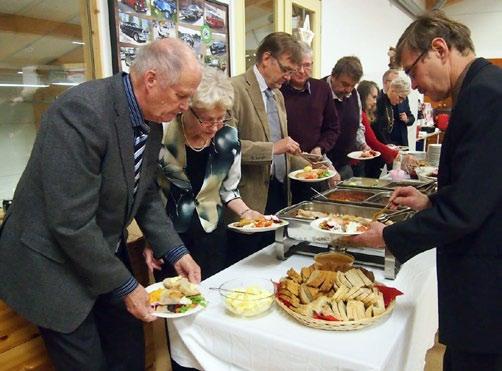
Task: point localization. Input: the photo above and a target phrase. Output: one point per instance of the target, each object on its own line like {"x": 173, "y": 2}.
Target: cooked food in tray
{"x": 346, "y": 195}
{"x": 176, "y": 295}
{"x": 344, "y": 224}
{"x": 310, "y": 214}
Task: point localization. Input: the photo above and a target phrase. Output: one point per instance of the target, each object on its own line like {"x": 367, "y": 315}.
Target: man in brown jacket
{"x": 265, "y": 163}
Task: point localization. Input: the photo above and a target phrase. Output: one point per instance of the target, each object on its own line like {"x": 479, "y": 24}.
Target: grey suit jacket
{"x": 254, "y": 133}
{"x": 73, "y": 204}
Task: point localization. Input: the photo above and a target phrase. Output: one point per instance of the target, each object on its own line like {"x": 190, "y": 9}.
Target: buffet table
{"x": 214, "y": 340}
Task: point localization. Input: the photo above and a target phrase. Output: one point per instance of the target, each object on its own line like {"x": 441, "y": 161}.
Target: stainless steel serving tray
{"x": 365, "y": 193}
{"x": 385, "y": 184}
{"x": 299, "y": 228}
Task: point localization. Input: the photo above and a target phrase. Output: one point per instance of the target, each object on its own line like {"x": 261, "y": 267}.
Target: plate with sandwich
{"x": 175, "y": 297}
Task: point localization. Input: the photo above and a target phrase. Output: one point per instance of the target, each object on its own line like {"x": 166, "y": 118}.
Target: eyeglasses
{"x": 286, "y": 70}
{"x": 307, "y": 66}
{"x": 409, "y": 71}
{"x": 210, "y": 123}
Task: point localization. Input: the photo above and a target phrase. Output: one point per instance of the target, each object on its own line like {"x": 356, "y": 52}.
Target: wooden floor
{"x": 434, "y": 357}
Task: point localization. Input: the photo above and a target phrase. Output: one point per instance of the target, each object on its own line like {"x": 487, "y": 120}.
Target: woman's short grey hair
{"x": 401, "y": 85}
{"x": 215, "y": 91}
{"x": 168, "y": 57}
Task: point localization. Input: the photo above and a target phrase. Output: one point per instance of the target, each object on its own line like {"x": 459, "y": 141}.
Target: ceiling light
{"x": 24, "y": 85}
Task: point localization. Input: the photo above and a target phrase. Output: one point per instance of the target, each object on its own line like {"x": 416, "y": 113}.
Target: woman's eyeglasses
{"x": 214, "y": 122}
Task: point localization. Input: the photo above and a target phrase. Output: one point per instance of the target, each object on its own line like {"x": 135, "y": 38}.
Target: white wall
{"x": 484, "y": 18}
{"x": 365, "y": 29}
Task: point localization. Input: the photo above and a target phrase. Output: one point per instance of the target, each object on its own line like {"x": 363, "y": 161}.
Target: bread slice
{"x": 306, "y": 272}
{"x": 292, "y": 286}
{"x": 354, "y": 278}
{"x": 342, "y": 310}
{"x": 329, "y": 280}
{"x": 366, "y": 280}
{"x": 316, "y": 278}
{"x": 294, "y": 275}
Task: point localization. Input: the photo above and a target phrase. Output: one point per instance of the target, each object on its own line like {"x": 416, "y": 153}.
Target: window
{"x": 46, "y": 49}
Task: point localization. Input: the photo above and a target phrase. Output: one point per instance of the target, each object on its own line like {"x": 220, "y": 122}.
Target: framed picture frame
{"x": 201, "y": 24}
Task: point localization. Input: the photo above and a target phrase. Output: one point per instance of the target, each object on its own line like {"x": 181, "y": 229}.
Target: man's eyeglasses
{"x": 409, "y": 70}
{"x": 209, "y": 123}
{"x": 286, "y": 70}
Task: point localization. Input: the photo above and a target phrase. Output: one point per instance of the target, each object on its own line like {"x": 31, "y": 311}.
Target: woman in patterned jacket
{"x": 200, "y": 163}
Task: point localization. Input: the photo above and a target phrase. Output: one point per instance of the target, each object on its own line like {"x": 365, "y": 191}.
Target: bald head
{"x": 169, "y": 58}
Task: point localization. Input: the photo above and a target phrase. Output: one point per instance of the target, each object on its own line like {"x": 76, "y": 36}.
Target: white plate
{"x": 356, "y": 155}
{"x": 249, "y": 230}
{"x": 316, "y": 225}
{"x": 159, "y": 285}
{"x": 293, "y": 174}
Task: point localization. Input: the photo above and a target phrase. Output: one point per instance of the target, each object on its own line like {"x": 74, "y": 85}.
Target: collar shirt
{"x": 262, "y": 84}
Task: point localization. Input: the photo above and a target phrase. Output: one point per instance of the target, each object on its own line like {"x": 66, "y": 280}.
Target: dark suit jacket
{"x": 465, "y": 220}
{"x": 73, "y": 204}
{"x": 399, "y": 135}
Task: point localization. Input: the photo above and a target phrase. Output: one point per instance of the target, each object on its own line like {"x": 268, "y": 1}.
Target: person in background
{"x": 343, "y": 79}
{"x": 64, "y": 263}
{"x": 200, "y": 163}
{"x": 267, "y": 149}
{"x": 401, "y": 111}
{"x": 398, "y": 90}
{"x": 368, "y": 91}
{"x": 312, "y": 120}
{"x": 463, "y": 220}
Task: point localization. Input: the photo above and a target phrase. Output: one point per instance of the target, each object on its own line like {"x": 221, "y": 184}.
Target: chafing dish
{"x": 298, "y": 237}
{"x": 346, "y": 195}
{"x": 386, "y": 184}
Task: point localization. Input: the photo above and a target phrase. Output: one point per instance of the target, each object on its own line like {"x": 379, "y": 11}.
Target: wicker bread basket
{"x": 335, "y": 325}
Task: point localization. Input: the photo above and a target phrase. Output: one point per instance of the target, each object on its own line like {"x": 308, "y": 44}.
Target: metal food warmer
{"x": 298, "y": 237}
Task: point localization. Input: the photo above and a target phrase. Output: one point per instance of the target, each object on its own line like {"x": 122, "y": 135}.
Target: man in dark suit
{"x": 463, "y": 220}
{"x": 62, "y": 246}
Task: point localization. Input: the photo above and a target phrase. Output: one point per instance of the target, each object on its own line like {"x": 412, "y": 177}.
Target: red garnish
{"x": 325, "y": 318}
{"x": 389, "y": 293}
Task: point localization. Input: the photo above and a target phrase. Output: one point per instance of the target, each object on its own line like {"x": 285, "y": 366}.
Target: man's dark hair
{"x": 419, "y": 35}
{"x": 279, "y": 43}
{"x": 350, "y": 66}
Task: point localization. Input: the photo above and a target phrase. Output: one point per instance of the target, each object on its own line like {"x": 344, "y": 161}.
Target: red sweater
{"x": 388, "y": 154}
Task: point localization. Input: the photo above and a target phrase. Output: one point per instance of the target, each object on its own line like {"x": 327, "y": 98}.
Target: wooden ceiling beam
{"x": 35, "y": 26}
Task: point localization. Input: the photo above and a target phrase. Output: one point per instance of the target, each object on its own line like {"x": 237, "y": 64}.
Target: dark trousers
{"x": 458, "y": 360}
{"x": 110, "y": 338}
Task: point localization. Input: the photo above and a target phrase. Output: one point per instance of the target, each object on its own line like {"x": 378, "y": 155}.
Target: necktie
{"x": 139, "y": 147}
{"x": 278, "y": 161}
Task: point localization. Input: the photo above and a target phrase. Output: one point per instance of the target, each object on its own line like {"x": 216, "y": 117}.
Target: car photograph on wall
{"x": 137, "y": 33}
{"x": 214, "y": 21}
{"x": 191, "y": 13}
{"x": 166, "y": 7}
{"x": 138, "y": 5}
{"x": 217, "y": 48}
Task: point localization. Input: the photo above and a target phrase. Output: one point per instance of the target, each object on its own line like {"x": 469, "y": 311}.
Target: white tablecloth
{"x": 214, "y": 340}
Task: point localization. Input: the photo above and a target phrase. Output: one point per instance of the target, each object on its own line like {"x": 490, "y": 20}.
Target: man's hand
{"x": 151, "y": 262}
{"x": 403, "y": 117}
{"x": 138, "y": 305}
{"x": 187, "y": 267}
{"x": 411, "y": 197}
{"x": 365, "y": 147}
{"x": 286, "y": 145}
{"x": 373, "y": 237}
{"x": 332, "y": 182}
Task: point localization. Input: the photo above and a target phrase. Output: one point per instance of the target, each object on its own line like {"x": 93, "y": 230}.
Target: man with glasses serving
{"x": 463, "y": 220}
{"x": 343, "y": 80}
{"x": 312, "y": 120}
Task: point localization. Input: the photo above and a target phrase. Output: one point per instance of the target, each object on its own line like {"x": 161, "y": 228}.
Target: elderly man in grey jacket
{"x": 62, "y": 247}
